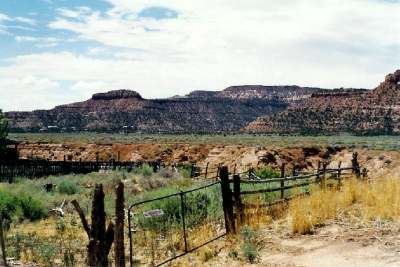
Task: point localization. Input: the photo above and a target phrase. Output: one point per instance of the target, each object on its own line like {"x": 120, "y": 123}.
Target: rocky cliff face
{"x": 200, "y": 111}
{"x": 358, "y": 112}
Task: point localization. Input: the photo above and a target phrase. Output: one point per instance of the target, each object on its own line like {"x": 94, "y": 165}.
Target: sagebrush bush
{"x": 21, "y": 206}
{"x": 68, "y": 187}
{"x": 267, "y": 172}
{"x": 145, "y": 170}
{"x": 249, "y": 246}
{"x": 32, "y": 208}
{"x": 8, "y": 205}
{"x": 186, "y": 171}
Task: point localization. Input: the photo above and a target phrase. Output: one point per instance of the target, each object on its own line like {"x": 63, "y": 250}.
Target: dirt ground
{"x": 331, "y": 246}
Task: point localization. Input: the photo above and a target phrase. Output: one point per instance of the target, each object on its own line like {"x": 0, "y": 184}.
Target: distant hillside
{"x": 359, "y": 112}
{"x": 286, "y": 93}
{"x": 200, "y": 111}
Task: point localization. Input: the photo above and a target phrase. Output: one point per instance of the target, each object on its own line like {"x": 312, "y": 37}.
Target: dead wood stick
{"x": 82, "y": 216}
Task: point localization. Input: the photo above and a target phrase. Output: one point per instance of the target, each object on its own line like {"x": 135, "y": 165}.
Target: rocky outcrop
{"x": 358, "y": 112}
{"x": 117, "y": 94}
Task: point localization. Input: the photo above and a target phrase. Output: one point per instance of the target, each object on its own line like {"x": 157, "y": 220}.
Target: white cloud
{"x": 27, "y": 93}
{"x": 29, "y": 21}
{"x": 41, "y": 42}
{"x": 214, "y": 44}
{"x": 4, "y": 17}
{"x": 74, "y": 13}
{"x": 25, "y": 39}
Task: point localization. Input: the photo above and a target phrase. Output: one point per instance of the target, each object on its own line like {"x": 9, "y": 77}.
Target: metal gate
{"x": 163, "y": 229}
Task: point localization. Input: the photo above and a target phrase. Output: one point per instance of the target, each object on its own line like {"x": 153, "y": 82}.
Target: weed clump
{"x": 249, "y": 246}
{"x": 145, "y": 170}
{"x": 68, "y": 187}
{"x": 20, "y": 207}
{"x": 267, "y": 172}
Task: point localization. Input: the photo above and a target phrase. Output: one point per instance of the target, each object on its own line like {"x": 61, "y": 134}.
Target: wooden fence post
{"x": 119, "y": 247}
{"x": 355, "y": 165}
{"x": 294, "y": 170}
{"x": 238, "y": 200}
{"x": 206, "y": 172}
{"x": 218, "y": 171}
{"x": 323, "y": 180}
{"x": 100, "y": 237}
{"x": 283, "y": 182}
{"x": 227, "y": 200}
{"x": 317, "y": 177}
{"x": 192, "y": 171}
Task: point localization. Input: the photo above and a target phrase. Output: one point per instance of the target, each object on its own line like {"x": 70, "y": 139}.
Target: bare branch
{"x": 82, "y": 216}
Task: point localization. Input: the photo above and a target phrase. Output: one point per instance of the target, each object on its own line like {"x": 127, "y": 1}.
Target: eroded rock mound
{"x": 359, "y": 112}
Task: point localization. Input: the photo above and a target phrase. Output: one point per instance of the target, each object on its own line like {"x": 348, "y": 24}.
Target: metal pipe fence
{"x": 166, "y": 228}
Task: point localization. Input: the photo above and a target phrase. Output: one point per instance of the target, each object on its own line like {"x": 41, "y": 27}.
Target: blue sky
{"x": 59, "y": 51}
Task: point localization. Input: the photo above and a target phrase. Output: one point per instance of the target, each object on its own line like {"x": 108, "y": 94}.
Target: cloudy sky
{"x": 59, "y": 51}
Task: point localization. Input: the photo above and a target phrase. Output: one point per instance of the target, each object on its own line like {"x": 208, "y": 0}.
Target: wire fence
{"x": 163, "y": 229}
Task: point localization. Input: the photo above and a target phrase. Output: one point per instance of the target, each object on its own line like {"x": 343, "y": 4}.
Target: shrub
{"x": 8, "y": 205}
{"x": 267, "y": 172}
{"x": 250, "y": 252}
{"x": 198, "y": 207}
{"x": 186, "y": 171}
{"x": 68, "y": 187}
{"x": 47, "y": 253}
{"x": 145, "y": 170}
{"x": 31, "y": 208}
{"x": 22, "y": 206}
{"x": 249, "y": 247}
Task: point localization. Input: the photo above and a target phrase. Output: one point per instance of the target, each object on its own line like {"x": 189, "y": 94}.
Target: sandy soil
{"x": 332, "y": 246}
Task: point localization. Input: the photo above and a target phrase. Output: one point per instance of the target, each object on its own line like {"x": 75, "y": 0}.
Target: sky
{"x": 54, "y": 52}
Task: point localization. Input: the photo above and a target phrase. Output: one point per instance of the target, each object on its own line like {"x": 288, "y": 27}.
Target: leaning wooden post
{"x": 227, "y": 200}
{"x": 119, "y": 248}
{"x": 356, "y": 165}
{"x": 283, "y": 182}
{"x": 238, "y": 200}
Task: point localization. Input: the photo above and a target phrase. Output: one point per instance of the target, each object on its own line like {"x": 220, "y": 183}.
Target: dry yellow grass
{"x": 376, "y": 200}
